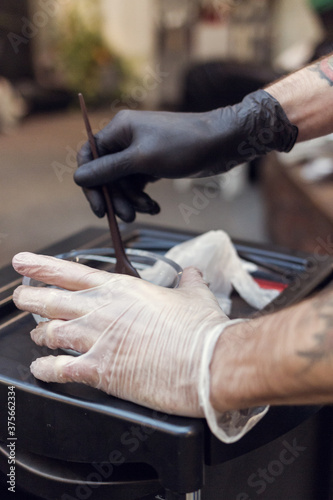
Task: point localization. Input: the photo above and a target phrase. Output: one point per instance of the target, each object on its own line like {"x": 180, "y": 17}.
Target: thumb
{"x": 192, "y": 277}
{"x": 63, "y": 369}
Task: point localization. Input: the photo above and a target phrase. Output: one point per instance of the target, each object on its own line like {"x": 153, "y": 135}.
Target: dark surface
{"x": 62, "y": 429}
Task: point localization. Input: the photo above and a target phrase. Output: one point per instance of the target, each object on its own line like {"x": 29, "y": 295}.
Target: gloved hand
{"x": 140, "y": 342}
{"x": 138, "y": 146}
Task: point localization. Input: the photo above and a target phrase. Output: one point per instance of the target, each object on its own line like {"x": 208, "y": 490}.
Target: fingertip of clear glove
{"x": 42, "y": 334}
{"x": 40, "y": 368}
{"x": 16, "y": 295}
{"x": 37, "y": 337}
{"x": 51, "y": 368}
{"x": 22, "y": 264}
{"x": 21, "y": 258}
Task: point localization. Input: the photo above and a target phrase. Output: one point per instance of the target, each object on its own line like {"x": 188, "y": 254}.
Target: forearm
{"x": 307, "y": 98}
{"x": 284, "y": 358}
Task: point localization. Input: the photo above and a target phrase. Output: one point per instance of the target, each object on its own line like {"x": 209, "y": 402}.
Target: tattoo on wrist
{"x": 323, "y": 338}
{"x": 325, "y": 69}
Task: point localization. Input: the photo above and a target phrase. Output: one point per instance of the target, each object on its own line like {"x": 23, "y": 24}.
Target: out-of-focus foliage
{"x": 85, "y": 61}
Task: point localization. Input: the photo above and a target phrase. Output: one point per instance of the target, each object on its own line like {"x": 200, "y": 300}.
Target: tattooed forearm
{"x": 324, "y": 68}
{"x": 323, "y": 338}
{"x": 323, "y": 349}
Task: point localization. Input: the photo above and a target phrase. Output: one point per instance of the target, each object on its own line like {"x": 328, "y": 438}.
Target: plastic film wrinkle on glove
{"x": 143, "y": 342}
{"x": 272, "y": 130}
{"x": 145, "y": 345}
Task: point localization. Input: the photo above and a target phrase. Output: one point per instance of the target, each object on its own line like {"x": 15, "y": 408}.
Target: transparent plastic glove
{"x": 140, "y": 342}
{"x": 137, "y": 147}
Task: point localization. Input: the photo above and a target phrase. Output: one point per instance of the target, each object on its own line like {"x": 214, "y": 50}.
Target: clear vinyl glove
{"x": 139, "y": 342}
{"x": 138, "y": 147}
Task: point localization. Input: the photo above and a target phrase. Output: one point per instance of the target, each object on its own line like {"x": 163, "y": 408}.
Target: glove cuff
{"x": 229, "y": 426}
{"x": 250, "y": 129}
{"x": 270, "y": 129}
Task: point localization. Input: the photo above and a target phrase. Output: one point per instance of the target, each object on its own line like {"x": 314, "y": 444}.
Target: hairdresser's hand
{"x": 141, "y": 342}
{"x": 138, "y": 146}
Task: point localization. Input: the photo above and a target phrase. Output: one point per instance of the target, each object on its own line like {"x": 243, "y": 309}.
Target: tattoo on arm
{"x": 323, "y": 338}
{"x": 325, "y": 69}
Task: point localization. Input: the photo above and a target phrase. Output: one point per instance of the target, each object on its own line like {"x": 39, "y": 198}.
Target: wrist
{"x": 234, "y": 372}
{"x": 306, "y": 98}
{"x": 249, "y": 369}
{"x": 228, "y": 416}
{"x": 252, "y": 128}
{"x": 278, "y": 359}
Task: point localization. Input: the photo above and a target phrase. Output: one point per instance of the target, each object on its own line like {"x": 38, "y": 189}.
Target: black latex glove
{"x": 137, "y": 147}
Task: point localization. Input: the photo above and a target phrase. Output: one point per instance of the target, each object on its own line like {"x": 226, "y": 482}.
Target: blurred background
{"x": 189, "y": 55}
